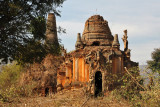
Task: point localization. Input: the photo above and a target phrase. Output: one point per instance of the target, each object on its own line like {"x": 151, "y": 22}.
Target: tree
{"x": 33, "y": 50}
{"x": 154, "y": 64}
{"x": 16, "y": 17}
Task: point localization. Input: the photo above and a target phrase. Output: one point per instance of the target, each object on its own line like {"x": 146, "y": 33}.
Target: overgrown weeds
{"x": 131, "y": 88}
{"x": 10, "y": 90}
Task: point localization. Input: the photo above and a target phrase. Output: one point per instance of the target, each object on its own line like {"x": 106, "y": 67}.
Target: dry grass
{"x": 68, "y": 98}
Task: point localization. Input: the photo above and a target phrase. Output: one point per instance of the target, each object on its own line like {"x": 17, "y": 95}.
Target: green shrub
{"x": 27, "y": 90}
{"x": 7, "y": 94}
{"x": 129, "y": 87}
{"x": 10, "y": 90}
{"x": 151, "y": 97}
{"x": 8, "y": 81}
{"x": 9, "y": 75}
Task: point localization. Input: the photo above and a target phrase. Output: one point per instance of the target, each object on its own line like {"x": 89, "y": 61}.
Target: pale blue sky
{"x": 140, "y": 17}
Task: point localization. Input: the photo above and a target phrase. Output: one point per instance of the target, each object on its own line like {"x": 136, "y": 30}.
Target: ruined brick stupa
{"x": 97, "y": 53}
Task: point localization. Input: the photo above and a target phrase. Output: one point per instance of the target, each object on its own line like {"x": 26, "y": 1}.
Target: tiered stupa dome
{"x": 97, "y": 32}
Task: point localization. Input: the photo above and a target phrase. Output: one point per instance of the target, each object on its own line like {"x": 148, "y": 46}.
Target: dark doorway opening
{"x": 46, "y": 91}
{"x": 96, "y": 43}
{"x": 98, "y": 83}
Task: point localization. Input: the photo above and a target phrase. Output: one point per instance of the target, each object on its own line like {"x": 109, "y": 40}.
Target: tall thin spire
{"x": 51, "y": 30}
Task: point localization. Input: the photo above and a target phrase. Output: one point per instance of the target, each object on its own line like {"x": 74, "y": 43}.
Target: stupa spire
{"x": 116, "y": 41}
{"x": 79, "y": 43}
{"x": 51, "y": 31}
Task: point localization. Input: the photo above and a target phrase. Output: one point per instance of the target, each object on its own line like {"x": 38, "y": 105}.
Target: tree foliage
{"x": 34, "y": 51}
{"x": 20, "y": 20}
{"x": 38, "y": 28}
{"x": 154, "y": 64}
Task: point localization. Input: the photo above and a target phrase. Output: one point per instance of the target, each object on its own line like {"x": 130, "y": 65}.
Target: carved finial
{"x": 125, "y": 41}
{"x": 125, "y": 32}
{"x": 116, "y": 41}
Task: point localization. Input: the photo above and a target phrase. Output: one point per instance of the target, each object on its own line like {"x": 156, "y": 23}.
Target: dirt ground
{"x": 67, "y": 98}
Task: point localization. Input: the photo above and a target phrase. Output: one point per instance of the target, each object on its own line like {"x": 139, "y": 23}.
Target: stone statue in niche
{"x": 110, "y": 56}
{"x": 88, "y": 58}
{"x": 98, "y": 57}
{"x": 125, "y": 41}
{"x": 128, "y": 53}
